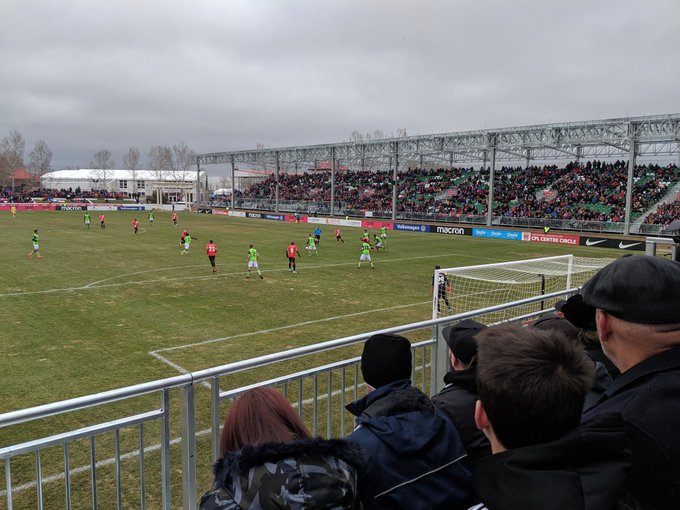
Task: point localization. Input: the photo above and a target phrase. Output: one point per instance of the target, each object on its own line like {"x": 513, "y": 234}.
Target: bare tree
{"x": 132, "y": 162}
{"x": 102, "y": 165}
{"x": 11, "y": 155}
{"x": 182, "y": 160}
{"x": 356, "y": 137}
{"x": 40, "y": 159}
{"x": 160, "y": 163}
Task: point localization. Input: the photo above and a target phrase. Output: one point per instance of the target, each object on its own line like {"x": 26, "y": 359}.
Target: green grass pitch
{"x": 104, "y": 309}
{"x": 87, "y": 316}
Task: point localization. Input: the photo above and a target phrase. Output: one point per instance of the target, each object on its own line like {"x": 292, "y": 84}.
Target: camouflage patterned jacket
{"x": 311, "y": 473}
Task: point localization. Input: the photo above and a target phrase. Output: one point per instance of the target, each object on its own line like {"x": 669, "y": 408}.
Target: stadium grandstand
{"x": 605, "y": 175}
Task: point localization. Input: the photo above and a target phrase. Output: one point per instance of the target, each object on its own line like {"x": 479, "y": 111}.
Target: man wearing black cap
{"x": 634, "y": 303}
{"x": 457, "y": 399}
{"x": 414, "y": 452}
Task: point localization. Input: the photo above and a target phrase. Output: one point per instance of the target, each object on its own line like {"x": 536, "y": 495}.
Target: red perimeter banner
{"x": 377, "y": 224}
{"x": 29, "y": 207}
{"x": 536, "y": 237}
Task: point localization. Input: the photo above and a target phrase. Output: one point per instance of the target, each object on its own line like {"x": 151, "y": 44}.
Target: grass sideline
{"x": 87, "y": 316}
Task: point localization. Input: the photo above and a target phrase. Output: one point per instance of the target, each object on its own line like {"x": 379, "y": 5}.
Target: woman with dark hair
{"x": 269, "y": 460}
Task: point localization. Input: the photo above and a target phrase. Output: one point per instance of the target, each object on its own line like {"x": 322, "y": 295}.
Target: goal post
{"x": 463, "y": 289}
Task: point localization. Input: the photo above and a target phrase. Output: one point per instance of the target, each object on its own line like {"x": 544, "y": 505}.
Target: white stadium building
{"x": 177, "y": 186}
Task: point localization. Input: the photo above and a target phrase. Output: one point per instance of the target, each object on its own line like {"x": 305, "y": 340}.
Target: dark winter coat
{"x": 457, "y": 399}
{"x": 583, "y": 470}
{"x": 300, "y": 475}
{"x": 648, "y": 397}
{"x": 414, "y": 452}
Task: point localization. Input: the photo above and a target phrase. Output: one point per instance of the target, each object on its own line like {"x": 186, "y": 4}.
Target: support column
{"x": 394, "y": 181}
{"x": 528, "y": 152}
{"x": 187, "y": 410}
{"x": 489, "y": 212}
{"x": 278, "y": 170}
{"x": 233, "y": 182}
{"x": 629, "y": 183}
{"x": 197, "y": 200}
{"x": 332, "y": 181}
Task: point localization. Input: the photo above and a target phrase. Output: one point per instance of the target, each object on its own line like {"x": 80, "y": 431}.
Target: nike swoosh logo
{"x": 624, "y": 246}
{"x": 593, "y": 243}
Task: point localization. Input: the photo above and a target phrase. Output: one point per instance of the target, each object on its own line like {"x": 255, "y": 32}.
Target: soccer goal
{"x": 463, "y": 289}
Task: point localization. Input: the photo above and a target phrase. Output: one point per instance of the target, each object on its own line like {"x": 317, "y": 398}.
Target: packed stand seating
{"x": 593, "y": 191}
{"x": 664, "y": 214}
{"x": 27, "y": 195}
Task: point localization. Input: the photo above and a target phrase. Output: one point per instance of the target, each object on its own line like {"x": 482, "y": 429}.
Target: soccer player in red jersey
{"x": 135, "y": 225}
{"x": 174, "y": 218}
{"x": 292, "y": 253}
{"x": 102, "y": 220}
{"x": 185, "y": 233}
{"x": 211, "y": 250}
{"x": 338, "y": 236}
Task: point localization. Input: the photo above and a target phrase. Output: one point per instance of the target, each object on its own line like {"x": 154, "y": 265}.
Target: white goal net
{"x": 463, "y": 289}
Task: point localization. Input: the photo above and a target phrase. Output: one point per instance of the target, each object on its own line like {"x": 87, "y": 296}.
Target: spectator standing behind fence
{"x": 269, "y": 461}
{"x": 532, "y": 385}
{"x": 414, "y": 453}
{"x": 635, "y": 304}
{"x": 458, "y": 398}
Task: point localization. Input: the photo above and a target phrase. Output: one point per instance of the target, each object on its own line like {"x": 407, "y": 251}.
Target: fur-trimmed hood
{"x": 305, "y": 474}
{"x": 251, "y": 456}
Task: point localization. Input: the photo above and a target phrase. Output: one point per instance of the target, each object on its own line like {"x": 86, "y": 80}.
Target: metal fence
{"x": 161, "y": 471}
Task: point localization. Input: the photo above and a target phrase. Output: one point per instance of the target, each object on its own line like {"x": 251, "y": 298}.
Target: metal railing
{"x": 320, "y": 394}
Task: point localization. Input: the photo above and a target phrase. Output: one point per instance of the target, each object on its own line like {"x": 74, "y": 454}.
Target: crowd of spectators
{"x": 664, "y": 214}
{"x": 28, "y": 194}
{"x": 593, "y": 191}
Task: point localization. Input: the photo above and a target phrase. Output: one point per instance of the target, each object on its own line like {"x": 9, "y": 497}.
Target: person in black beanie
{"x": 458, "y": 398}
{"x": 415, "y": 454}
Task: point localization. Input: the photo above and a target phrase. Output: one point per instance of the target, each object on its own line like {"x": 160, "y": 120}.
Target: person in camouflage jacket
{"x": 299, "y": 475}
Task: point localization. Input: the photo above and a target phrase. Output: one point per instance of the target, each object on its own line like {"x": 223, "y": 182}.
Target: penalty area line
{"x": 281, "y": 328}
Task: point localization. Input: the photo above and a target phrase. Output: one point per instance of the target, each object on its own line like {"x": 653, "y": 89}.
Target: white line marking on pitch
{"x": 306, "y": 323}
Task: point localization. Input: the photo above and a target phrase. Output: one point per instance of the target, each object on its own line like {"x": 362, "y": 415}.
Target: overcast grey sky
{"x": 84, "y": 75}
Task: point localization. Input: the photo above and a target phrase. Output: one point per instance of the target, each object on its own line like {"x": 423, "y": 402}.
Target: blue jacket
{"x": 414, "y": 452}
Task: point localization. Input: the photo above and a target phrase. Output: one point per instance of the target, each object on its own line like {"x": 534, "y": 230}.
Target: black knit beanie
{"x": 386, "y": 358}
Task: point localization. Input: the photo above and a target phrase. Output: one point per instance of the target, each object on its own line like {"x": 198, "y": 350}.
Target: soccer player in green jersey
{"x": 252, "y": 262}
{"x": 150, "y": 215}
{"x": 87, "y": 220}
{"x": 36, "y": 246}
{"x": 365, "y": 254}
{"x": 187, "y": 243}
{"x": 311, "y": 245}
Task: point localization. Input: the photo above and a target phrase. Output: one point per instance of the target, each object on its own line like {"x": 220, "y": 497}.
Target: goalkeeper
{"x": 443, "y": 289}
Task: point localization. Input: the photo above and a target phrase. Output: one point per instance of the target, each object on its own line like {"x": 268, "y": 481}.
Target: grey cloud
{"x": 226, "y": 75}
